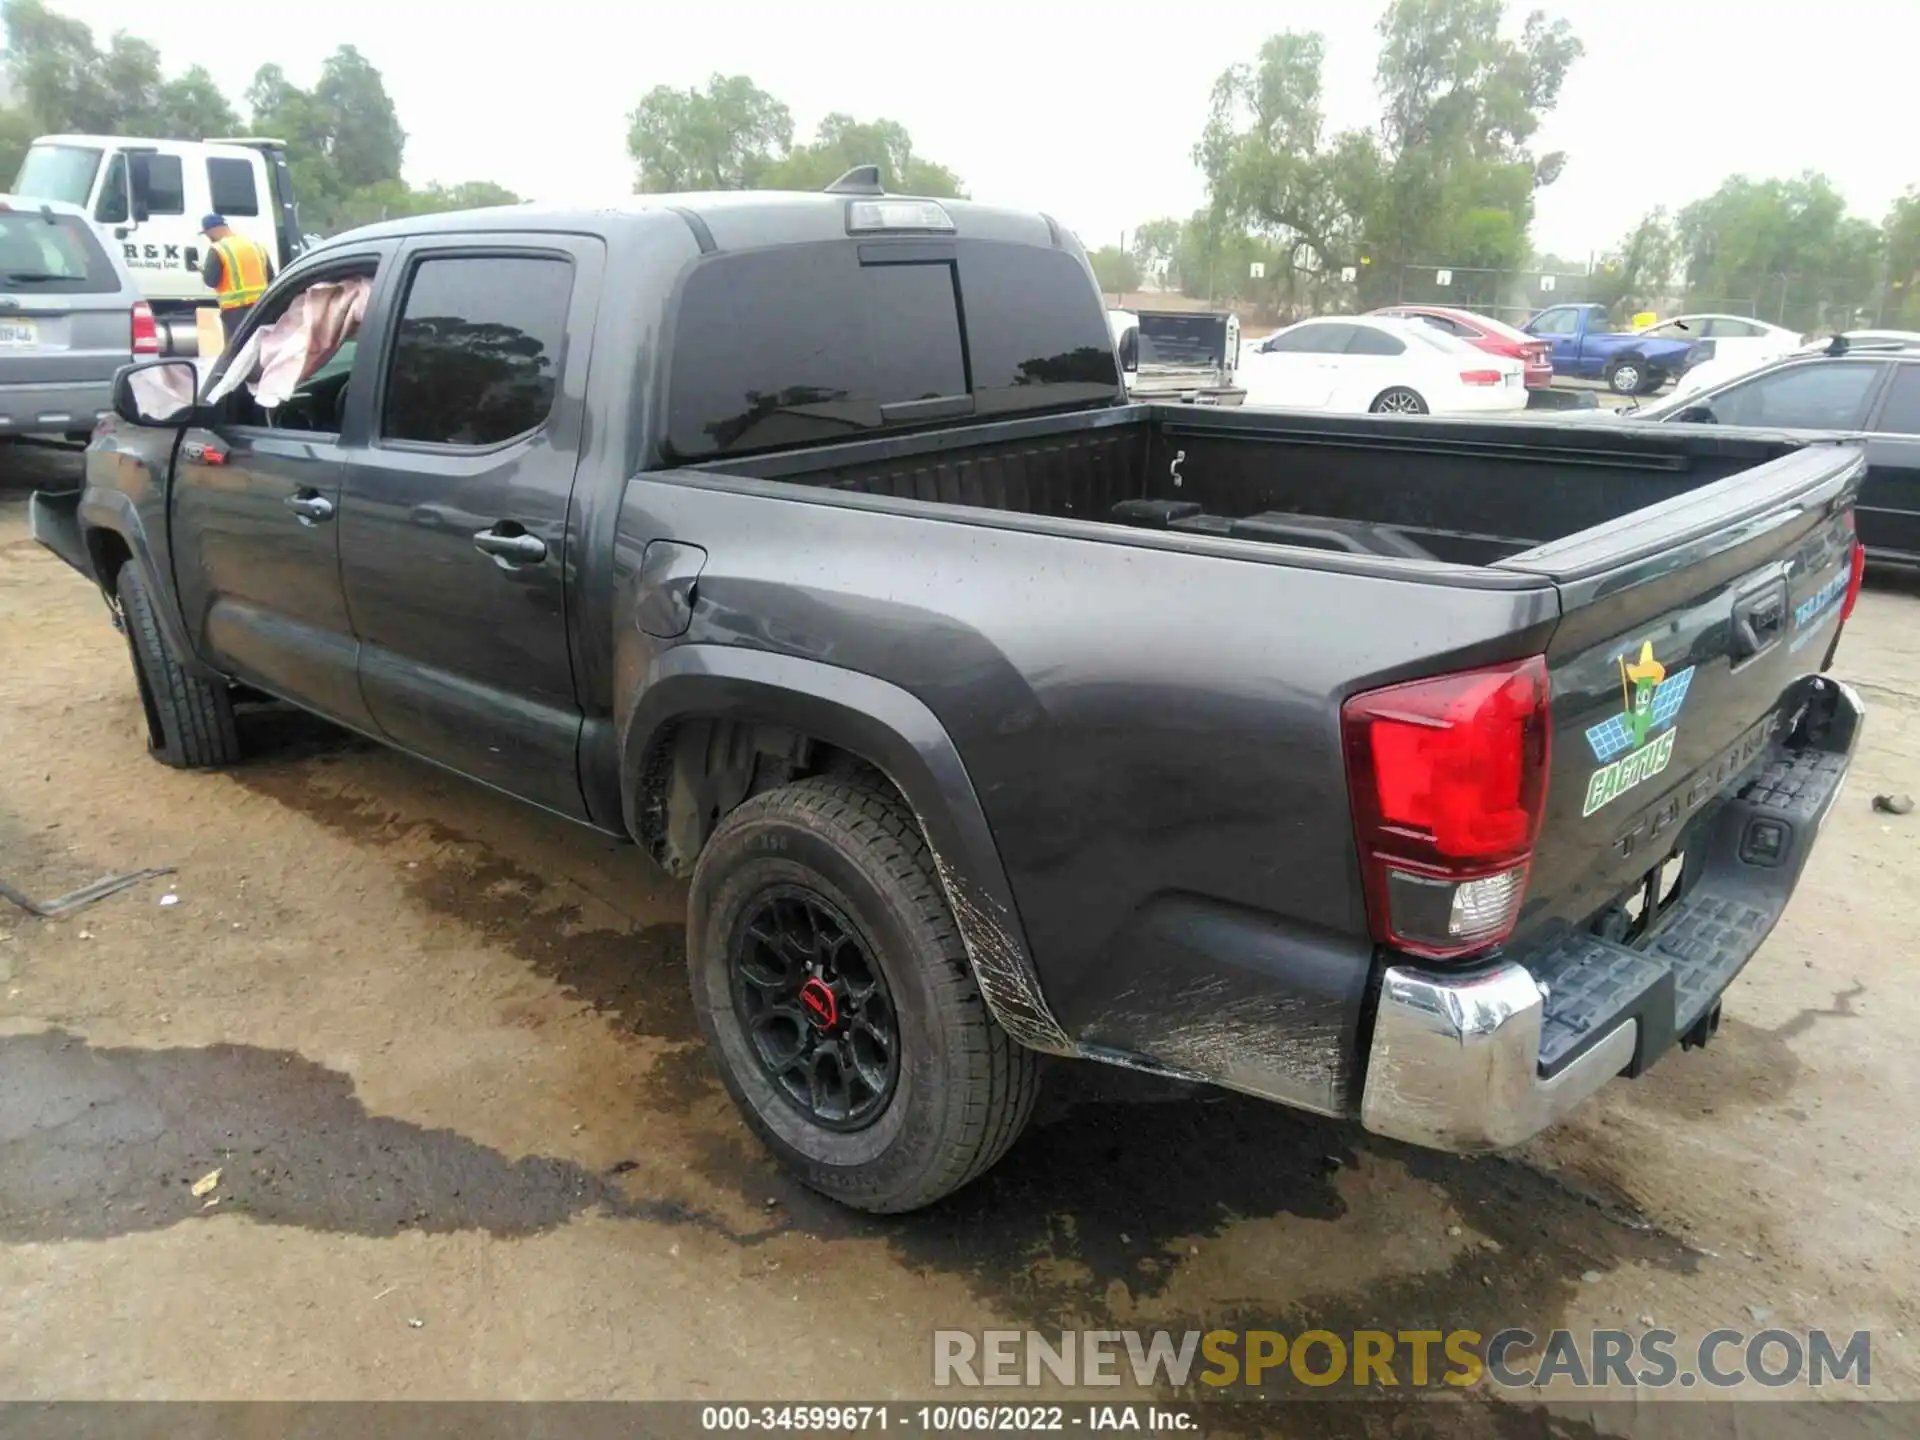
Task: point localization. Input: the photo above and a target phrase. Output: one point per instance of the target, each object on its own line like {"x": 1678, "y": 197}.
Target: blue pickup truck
{"x": 1586, "y": 345}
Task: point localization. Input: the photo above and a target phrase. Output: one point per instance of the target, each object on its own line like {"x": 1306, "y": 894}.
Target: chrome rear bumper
{"x": 1484, "y": 1060}
{"x": 1455, "y": 1062}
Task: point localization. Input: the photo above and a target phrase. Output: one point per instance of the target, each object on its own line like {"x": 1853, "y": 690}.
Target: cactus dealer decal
{"x": 1636, "y": 744}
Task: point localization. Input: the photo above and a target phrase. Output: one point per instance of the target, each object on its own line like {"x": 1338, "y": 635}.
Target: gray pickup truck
{"x": 1426, "y": 773}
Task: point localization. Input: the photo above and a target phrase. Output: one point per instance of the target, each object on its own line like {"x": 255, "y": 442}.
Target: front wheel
{"x": 189, "y": 720}
{"x": 1398, "y": 401}
{"x": 838, "y": 1002}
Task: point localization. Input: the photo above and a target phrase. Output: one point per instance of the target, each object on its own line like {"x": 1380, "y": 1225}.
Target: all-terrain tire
{"x": 189, "y": 720}
{"x": 964, "y": 1089}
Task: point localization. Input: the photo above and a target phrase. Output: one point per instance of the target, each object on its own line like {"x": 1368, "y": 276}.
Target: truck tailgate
{"x": 1681, "y": 677}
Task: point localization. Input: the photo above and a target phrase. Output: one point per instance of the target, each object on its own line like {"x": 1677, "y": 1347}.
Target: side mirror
{"x": 1696, "y": 415}
{"x": 159, "y": 394}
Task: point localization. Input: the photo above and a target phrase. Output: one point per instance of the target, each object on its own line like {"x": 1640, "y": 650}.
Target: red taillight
{"x": 146, "y": 335}
{"x": 1448, "y": 779}
{"x": 1856, "y": 574}
{"x": 1480, "y": 377}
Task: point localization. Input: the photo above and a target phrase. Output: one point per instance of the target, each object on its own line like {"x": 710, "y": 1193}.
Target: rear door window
{"x": 476, "y": 355}
{"x": 1367, "y": 341}
{"x": 231, "y": 188}
{"x": 1900, "y": 415}
{"x": 58, "y": 256}
{"x": 166, "y": 186}
{"x": 1327, "y": 339}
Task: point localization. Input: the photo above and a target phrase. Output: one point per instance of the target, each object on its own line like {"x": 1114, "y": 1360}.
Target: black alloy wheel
{"x": 815, "y": 1008}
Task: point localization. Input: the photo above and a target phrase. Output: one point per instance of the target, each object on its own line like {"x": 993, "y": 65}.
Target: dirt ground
{"x": 440, "y": 1048}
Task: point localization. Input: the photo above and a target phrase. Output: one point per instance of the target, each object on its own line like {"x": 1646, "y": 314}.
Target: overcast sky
{"x": 1088, "y": 111}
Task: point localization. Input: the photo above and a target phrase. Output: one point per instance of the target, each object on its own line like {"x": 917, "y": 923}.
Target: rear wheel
{"x": 839, "y": 1004}
{"x": 1398, "y": 401}
{"x": 189, "y": 720}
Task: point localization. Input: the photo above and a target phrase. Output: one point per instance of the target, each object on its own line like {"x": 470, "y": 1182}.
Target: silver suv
{"x": 70, "y": 317}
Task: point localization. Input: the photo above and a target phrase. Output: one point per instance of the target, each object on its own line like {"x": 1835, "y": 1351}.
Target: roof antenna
{"x": 860, "y": 180}
{"x": 1838, "y": 345}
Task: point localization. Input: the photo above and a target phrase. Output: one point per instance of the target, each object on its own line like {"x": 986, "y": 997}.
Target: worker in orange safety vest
{"x": 237, "y": 268}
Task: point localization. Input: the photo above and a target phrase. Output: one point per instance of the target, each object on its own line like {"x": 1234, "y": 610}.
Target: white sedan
{"x": 1718, "y": 370}
{"x": 1734, "y": 344}
{"x": 1364, "y": 364}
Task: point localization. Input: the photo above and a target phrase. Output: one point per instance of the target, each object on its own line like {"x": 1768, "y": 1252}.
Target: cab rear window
{"x": 803, "y": 344}
{"x": 45, "y": 253}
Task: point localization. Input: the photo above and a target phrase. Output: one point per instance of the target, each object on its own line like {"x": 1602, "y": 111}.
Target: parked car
{"x": 1586, "y": 346}
{"x": 1737, "y": 340}
{"x": 1871, "y": 386}
{"x": 70, "y": 317}
{"x": 1496, "y": 337}
{"x": 1425, "y": 772}
{"x": 1359, "y": 364}
{"x": 1184, "y": 355}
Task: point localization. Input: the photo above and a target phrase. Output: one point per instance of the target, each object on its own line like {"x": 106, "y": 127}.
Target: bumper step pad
{"x": 1750, "y": 859}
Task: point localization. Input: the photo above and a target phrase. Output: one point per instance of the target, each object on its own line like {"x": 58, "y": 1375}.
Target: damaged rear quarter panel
{"x": 1153, "y": 740}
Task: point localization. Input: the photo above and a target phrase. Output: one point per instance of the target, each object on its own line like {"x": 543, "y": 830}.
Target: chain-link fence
{"x": 1809, "y": 303}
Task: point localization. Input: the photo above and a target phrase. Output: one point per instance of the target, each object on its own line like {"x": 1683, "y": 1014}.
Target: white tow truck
{"x": 146, "y": 199}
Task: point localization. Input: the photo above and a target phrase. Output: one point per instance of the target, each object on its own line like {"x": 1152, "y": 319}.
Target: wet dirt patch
{"x": 1745, "y": 1067}
{"x": 634, "y": 973}
{"x": 97, "y": 1142}
{"x": 1094, "y": 1216}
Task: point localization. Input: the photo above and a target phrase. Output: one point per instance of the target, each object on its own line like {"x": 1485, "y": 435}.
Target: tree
{"x": 344, "y": 141}
{"x": 469, "y": 195}
{"x": 193, "y": 108}
{"x": 1785, "y": 248}
{"x": 1902, "y": 240}
{"x": 16, "y": 134}
{"x": 1446, "y": 176}
{"x": 842, "y": 142}
{"x": 394, "y": 200}
{"x": 66, "y": 83}
{"x": 1156, "y": 251}
{"x": 725, "y": 137}
{"x": 1638, "y": 273}
{"x": 735, "y": 136}
{"x": 365, "y": 140}
{"x": 56, "y": 70}
{"x": 1115, "y": 270}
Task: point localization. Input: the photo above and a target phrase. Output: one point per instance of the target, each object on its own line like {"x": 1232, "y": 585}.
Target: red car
{"x": 1493, "y": 336}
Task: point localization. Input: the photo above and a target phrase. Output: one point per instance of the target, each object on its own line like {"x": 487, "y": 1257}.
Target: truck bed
{"x": 1463, "y": 493}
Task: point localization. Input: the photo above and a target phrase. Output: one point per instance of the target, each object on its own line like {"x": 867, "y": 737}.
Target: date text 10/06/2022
{"x": 951, "y": 1419}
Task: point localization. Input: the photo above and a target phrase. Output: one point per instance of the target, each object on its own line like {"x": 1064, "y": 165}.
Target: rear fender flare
{"x": 897, "y": 734}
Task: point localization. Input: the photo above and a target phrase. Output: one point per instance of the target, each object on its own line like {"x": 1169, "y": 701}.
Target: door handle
{"x": 519, "y": 548}
{"x": 310, "y": 506}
